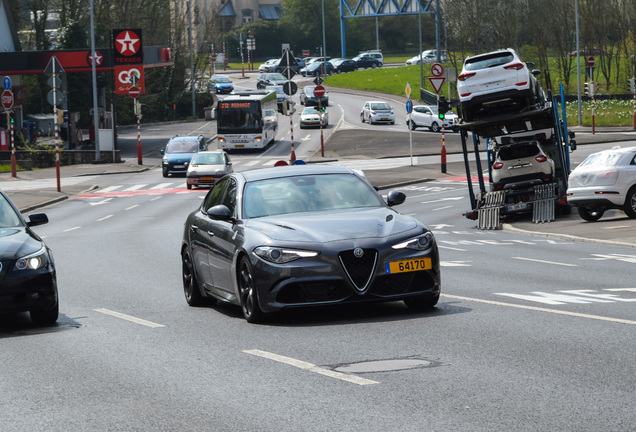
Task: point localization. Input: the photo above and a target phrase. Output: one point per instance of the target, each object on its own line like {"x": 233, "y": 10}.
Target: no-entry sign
{"x": 590, "y": 61}
{"x": 134, "y": 92}
{"x": 319, "y": 91}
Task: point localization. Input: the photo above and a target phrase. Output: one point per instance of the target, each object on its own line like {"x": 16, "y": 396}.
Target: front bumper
{"x": 32, "y": 292}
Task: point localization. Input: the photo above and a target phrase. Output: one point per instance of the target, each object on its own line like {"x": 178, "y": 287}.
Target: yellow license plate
{"x": 207, "y": 178}
{"x": 239, "y": 145}
{"x": 408, "y": 265}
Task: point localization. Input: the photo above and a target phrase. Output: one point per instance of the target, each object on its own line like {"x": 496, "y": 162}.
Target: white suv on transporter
{"x": 497, "y": 82}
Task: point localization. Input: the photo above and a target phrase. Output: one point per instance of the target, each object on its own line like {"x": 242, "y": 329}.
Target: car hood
{"x": 277, "y": 82}
{"x": 17, "y": 242}
{"x": 200, "y": 168}
{"x": 178, "y": 157}
{"x": 327, "y": 226}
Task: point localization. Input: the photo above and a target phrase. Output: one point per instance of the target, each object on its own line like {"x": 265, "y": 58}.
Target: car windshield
{"x": 380, "y": 106}
{"x": 278, "y": 89}
{"x": 8, "y": 216}
{"x": 310, "y": 110}
{"x": 182, "y": 147}
{"x": 275, "y": 77}
{"x": 308, "y": 193}
{"x": 488, "y": 61}
{"x": 603, "y": 159}
{"x": 207, "y": 159}
{"x": 518, "y": 151}
{"x": 224, "y": 80}
{"x": 309, "y": 91}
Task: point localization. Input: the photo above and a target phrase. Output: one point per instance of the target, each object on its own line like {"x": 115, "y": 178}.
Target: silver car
{"x": 377, "y": 112}
{"x": 208, "y": 167}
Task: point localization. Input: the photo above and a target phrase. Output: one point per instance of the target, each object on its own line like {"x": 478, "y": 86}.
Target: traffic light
{"x": 291, "y": 107}
{"x": 589, "y": 89}
{"x": 442, "y": 107}
{"x": 60, "y": 116}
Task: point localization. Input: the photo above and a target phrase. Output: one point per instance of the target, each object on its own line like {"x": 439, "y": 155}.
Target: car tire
{"x": 189, "y": 186}
{"x": 411, "y": 125}
{"x": 362, "y": 117}
{"x": 590, "y": 215}
{"x": 191, "y": 288}
{"x": 248, "y": 294}
{"x": 373, "y": 66}
{"x": 165, "y": 172}
{"x": 630, "y": 203}
{"x": 45, "y": 316}
{"x": 434, "y": 127}
{"x": 421, "y": 302}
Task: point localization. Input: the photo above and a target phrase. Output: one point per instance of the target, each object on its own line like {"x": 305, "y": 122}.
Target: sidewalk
{"x": 614, "y": 228}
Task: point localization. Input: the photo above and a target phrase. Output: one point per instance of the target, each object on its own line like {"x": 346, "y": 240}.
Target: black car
{"x": 365, "y": 61}
{"x": 297, "y": 236}
{"x": 317, "y": 68}
{"x": 28, "y": 281}
{"x": 344, "y": 65}
{"x": 308, "y": 98}
{"x": 270, "y": 79}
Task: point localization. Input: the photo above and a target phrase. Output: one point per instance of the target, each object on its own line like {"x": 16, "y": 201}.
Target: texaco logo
{"x": 99, "y": 58}
{"x": 127, "y": 43}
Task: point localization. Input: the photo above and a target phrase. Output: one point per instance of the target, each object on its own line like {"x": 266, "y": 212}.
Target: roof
{"x": 270, "y": 12}
{"x": 227, "y": 10}
{"x": 294, "y": 170}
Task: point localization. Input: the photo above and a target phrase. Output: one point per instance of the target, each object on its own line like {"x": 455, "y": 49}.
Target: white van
{"x": 376, "y": 55}
{"x": 427, "y": 57}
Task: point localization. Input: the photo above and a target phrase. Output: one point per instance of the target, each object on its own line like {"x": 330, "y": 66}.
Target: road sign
{"x": 409, "y": 106}
{"x": 6, "y": 82}
{"x": 54, "y": 81}
{"x": 407, "y": 90}
{"x": 590, "y": 61}
{"x": 437, "y": 83}
{"x": 319, "y": 91}
{"x": 55, "y": 97}
{"x": 318, "y": 80}
{"x": 7, "y": 99}
{"x": 134, "y": 92}
{"x": 305, "y": 53}
{"x": 287, "y": 60}
{"x": 437, "y": 69}
{"x": 289, "y": 73}
{"x": 53, "y": 67}
{"x": 290, "y": 88}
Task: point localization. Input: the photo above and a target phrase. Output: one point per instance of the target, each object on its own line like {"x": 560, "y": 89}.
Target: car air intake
{"x": 359, "y": 264}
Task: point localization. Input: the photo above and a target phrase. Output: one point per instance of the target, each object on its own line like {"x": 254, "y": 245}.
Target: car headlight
{"x": 33, "y": 261}
{"x": 282, "y": 255}
{"x": 421, "y": 242}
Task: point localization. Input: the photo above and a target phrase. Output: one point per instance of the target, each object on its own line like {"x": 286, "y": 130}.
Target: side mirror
{"x": 395, "y": 197}
{"x": 220, "y": 212}
{"x": 572, "y": 145}
{"x": 163, "y": 151}
{"x": 36, "y": 219}
{"x": 530, "y": 65}
{"x": 536, "y": 72}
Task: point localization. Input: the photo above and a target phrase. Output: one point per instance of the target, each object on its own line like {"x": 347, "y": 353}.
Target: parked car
{"x": 317, "y": 68}
{"x": 220, "y": 84}
{"x": 604, "y": 180}
{"x": 365, "y": 61}
{"x": 299, "y": 236}
{"x": 522, "y": 164}
{"x": 307, "y": 97}
{"x": 427, "y": 57}
{"x": 427, "y": 116}
{"x": 344, "y": 65}
{"x": 208, "y": 167}
{"x": 29, "y": 278}
{"x": 281, "y": 96}
{"x": 265, "y": 67}
{"x": 377, "y": 112}
{"x": 311, "y": 117}
{"x": 270, "y": 79}
{"x": 178, "y": 153}
{"x": 497, "y": 81}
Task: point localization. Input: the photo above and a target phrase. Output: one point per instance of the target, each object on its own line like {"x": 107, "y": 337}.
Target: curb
{"x": 509, "y": 228}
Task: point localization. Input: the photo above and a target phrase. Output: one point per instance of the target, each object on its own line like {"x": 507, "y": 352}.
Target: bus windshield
{"x": 240, "y": 117}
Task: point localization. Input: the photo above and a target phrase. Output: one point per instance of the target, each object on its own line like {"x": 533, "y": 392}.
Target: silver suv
{"x": 497, "y": 82}
{"x": 521, "y": 164}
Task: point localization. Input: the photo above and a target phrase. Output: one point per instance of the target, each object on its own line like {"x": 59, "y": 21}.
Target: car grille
{"x": 359, "y": 269}
{"x": 402, "y": 283}
{"x": 309, "y": 292}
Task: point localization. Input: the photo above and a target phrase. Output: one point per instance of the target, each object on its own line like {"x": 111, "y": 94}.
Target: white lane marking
{"x": 108, "y": 189}
{"x": 156, "y": 198}
{"x": 129, "y": 318}
{"x": 310, "y": 367}
{"x": 442, "y": 208}
{"x": 451, "y": 248}
{"x": 443, "y": 199}
{"x": 545, "y": 262}
{"x": 104, "y": 201}
{"x": 454, "y": 264}
{"x": 540, "y": 309}
{"x": 161, "y": 186}
{"x": 72, "y": 229}
{"x": 252, "y": 162}
{"x": 135, "y": 187}
{"x": 104, "y": 218}
{"x": 132, "y": 207}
